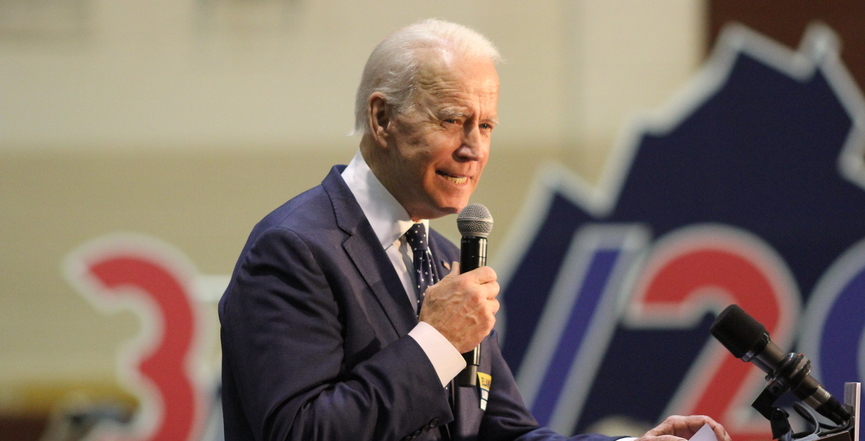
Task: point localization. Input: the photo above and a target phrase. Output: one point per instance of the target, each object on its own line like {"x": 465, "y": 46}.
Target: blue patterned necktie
{"x": 422, "y": 258}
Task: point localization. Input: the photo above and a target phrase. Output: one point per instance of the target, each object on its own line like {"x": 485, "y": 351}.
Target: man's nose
{"x": 472, "y": 146}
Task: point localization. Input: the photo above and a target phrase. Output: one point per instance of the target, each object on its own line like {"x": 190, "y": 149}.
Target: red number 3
{"x": 153, "y": 281}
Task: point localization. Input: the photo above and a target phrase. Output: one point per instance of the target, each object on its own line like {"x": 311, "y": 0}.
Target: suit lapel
{"x": 443, "y": 253}
{"x": 385, "y": 284}
{"x": 364, "y": 250}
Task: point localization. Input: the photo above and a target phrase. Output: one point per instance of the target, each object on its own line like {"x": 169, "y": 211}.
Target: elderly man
{"x": 321, "y": 335}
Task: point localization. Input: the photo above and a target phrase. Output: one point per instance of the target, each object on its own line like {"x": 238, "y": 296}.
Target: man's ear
{"x": 378, "y": 117}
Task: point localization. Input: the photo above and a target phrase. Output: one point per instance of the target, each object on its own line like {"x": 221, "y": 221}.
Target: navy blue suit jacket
{"x": 315, "y": 345}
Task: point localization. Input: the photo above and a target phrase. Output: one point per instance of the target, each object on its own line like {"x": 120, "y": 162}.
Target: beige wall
{"x": 188, "y": 124}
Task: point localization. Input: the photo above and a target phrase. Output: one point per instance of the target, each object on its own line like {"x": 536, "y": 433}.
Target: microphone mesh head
{"x": 475, "y": 220}
{"x": 738, "y": 331}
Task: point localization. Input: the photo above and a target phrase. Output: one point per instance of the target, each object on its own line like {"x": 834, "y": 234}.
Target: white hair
{"x": 393, "y": 66}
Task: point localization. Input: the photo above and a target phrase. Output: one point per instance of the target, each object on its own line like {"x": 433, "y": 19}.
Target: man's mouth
{"x": 452, "y": 178}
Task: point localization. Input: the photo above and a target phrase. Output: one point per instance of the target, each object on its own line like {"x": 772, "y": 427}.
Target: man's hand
{"x": 677, "y": 428}
{"x": 462, "y": 307}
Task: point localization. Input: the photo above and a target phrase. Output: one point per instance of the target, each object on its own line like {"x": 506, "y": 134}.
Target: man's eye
{"x": 486, "y": 126}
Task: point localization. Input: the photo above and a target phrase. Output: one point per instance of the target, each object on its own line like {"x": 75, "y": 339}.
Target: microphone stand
{"x": 778, "y": 417}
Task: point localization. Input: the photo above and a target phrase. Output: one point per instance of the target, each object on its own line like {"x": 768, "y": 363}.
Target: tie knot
{"x": 416, "y": 238}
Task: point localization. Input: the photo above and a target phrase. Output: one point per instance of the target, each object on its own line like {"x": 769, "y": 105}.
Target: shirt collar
{"x": 388, "y": 218}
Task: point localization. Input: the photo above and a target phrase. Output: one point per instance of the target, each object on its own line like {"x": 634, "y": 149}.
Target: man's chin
{"x": 452, "y": 208}
{"x": 435, "y": 208}
{"x": 438, "y": 211}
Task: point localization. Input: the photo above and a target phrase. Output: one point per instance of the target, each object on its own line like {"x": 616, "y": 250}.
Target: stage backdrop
{"x": 747, "y": 188}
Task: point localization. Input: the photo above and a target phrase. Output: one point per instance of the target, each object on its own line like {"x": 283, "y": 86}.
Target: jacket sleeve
{"x": 285, "y": 374}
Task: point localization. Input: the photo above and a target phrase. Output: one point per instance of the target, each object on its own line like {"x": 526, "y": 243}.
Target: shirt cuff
{"x": 445, "y": 358}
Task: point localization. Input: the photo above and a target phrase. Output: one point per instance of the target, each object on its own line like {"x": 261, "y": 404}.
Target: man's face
{"x": 438, "y": 148}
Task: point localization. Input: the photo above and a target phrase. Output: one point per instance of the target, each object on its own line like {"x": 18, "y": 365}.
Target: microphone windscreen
{"x": 475, "y": 220}
{"x": 738, "y": 331}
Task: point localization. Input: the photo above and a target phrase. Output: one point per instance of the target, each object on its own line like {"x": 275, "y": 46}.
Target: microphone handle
{"x": 473, "y": 255}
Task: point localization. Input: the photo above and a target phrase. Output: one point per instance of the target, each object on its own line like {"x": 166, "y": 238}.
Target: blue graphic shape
{"x": 561, "y": 363}
{"x": 842, "y": 343}
{"x": 833, "y": 329}
{"x": 576, "y": 329}
{"x": 764, "y": 139}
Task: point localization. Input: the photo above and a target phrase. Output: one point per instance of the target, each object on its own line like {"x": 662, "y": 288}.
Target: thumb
{"x": 455, "y": 270}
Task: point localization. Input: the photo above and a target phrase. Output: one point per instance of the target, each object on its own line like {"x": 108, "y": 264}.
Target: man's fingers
{"x": 719, "y": 430}
{"x": 687, "y": 426}
{"x": 665, "y": 438}
{"x": 484, "y": 275}
{"x": 480, "y": 276}
{"x": 455, "y": 270}
{"x": 495, "y": 307}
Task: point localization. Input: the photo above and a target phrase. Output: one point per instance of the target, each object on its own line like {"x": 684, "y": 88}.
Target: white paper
{"x": 704, "y": 434}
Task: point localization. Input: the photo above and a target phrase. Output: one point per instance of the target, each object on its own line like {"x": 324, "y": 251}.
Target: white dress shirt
{"x": 390, "y": 221}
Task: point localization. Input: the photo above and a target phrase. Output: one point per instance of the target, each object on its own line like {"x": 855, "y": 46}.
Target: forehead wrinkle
{"x": 439, "y": 91}
{"x": 439, "y": 79}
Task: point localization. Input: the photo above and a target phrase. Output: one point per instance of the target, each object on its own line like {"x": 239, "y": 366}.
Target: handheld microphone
{"x": 474, "y": 223}
{"x": 748, "y": 340}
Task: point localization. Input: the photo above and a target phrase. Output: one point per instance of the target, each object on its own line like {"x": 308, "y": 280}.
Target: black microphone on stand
{"x": 748, "y": 340}
{"x": 475, "y": 223}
